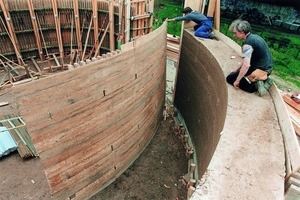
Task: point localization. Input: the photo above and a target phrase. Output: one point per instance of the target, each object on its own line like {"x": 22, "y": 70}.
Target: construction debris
{"x": 16, "y": 128}
{"x": 292, "y": 185}
{"x": 7, "y": 143}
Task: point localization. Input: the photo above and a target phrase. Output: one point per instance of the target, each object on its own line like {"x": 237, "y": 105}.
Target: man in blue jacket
{"x": 204, "y": 24}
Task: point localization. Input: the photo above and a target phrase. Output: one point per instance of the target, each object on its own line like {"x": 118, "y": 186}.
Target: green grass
{"x": 168, "y": 11}
{"x": 285, "y": 47}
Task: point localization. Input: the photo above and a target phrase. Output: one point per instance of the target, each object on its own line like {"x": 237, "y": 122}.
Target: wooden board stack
{"x": 292, "y": 186}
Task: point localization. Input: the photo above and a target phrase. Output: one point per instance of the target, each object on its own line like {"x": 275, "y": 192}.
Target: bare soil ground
{"x": 155, "y": 174}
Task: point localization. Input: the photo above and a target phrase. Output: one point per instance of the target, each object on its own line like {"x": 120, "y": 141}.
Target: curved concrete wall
{"x": 89, "y": 124}
{"x": 201, "y": 97}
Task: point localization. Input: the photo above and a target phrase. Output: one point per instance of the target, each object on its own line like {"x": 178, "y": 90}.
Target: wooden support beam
{"x": 211, "y": 8}
{"x": 202, "y": 4}
{"x": 103, "y": 36}
{"x": 56, "y": 60}
{"x": 111, "y": 27}
{"x": 217, "y": 15}
{"x": 150, "y": 7}
{"x": 36, "y": 65}
{"x": 58, "y": 31}
{"x": 87, "y": 38}
{"x": 95, "y": 19}
{"x": 127, "y": 20}
{"x": 77, "y": 25}
{"x": 290, "y": 102}
{"x": 11, "y": 31}
{"x": 35, "y": 29}
{"x": 72, "y": 52}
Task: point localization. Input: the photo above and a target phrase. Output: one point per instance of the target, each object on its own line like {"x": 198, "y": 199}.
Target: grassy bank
{"x": 285, "y": 47}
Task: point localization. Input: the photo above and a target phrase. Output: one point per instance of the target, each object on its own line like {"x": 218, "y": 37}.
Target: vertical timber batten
{"x": 35, "y": 29}
{"x": 95, "y": 18}
{"x": 42, "y": 28}
{"x": 77, "y": 25}
{"x": 111, "y": 26}
{"x": 58, "y": 31}
{"x": 11, "y": 31}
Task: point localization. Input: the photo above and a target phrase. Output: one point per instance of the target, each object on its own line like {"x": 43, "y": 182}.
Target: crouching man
{"x": 253, "y": 74}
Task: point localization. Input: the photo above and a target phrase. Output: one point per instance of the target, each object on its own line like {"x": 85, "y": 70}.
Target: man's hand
{"x": 236, "y": 84}
{"x": 169, "y": 20}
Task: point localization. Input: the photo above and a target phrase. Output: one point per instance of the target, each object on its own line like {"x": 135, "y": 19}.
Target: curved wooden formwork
{"x": 233, "y": 147}
{"x": 67, "y": 27}
{"x": 90, "y": 123}
{"x": 201, "y": 97}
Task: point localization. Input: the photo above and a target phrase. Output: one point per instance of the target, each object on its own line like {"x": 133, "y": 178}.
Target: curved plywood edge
{"x": 201, "y": 97}
{"x": 90, "y": 123}
{"x": 290, "y": 139}
{"x": 288, "y": 132}
{"x": 249, "y": 159}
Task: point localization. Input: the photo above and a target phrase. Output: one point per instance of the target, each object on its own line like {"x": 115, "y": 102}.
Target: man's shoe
{"x": 260, "y": 86}
{"x": 213, "y": 36}
{"x": 268, "y": 83}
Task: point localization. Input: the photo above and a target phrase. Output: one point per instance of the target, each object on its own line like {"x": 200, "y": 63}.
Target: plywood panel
{"x": 90, "y": 123}
{"x": 201, "y": 97}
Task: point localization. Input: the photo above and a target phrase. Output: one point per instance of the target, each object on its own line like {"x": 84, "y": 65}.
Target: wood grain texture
{"x": 90, "y": 123}
{"x": 201, "y": 97}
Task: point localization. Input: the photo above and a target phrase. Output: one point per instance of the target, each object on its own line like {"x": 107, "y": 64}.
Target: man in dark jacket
{"x": 253, "y": 74}
{"x": 204, "y": 24}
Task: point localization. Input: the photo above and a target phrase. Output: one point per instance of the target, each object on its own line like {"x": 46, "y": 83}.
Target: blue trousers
{"x": 204, "y": 29}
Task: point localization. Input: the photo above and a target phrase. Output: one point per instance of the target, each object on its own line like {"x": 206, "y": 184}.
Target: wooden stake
{"x": 58, "y": 31}
{"x": 71, "y": 46}
{"x": 19, "y": 57}
{"x": 103, "y": 36}
{"x": 87, "y": 38}
{"x": 191, "y": 190}
{"x": 77, "y": 25}
{"x": 42, "y": 35}
{"x": 11, "y": 31}
{"x": 111, "y": 28}
{"x": 192, "y": 167}
{"x": 35, "y": 29}
{"x": 36, "y": 65}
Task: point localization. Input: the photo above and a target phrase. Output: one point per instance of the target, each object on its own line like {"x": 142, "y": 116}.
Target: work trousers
{"x": 204, "y": 29}
{"x": 244, "y": 85}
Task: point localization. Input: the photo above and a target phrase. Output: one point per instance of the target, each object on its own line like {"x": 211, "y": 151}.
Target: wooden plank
{"x": 290, "y": 139}
{"x": 295, "y": 118}
{"x": 102, "y": 39}
{"x": 35, "y": 29}
{"x": 77, "y": 25}
{"x": 195, "y": 5}
{"x": 296, "y": 175}
{"x": 111, "y": 26}
{"x": 293, "y": 113}
{"x": 121, "y": 94}
{"x": 292, "y": 193}
{"x": 217, "y": 15}
{"x": 292, "y": 103}
{"x": 127, "y": 20}
{"x": 211, "y": 8}
{"x": 296, "y": 127}
{"x": 36, "y": 65}
{"x": 3, "y": 104}
{"x": 11, "y": 31}
{"x": 58, "y": 31}
{"x": 95, "y": 19}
